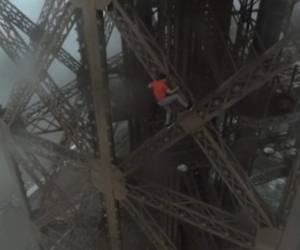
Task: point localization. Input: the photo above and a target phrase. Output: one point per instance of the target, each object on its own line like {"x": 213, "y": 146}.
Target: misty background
{"x": 9, "y": 72}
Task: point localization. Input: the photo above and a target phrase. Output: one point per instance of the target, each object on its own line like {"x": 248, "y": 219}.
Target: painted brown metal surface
{"x": 66, "y": 175}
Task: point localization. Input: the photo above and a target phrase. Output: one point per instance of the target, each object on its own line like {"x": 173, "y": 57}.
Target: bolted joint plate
{"x": 109, "y": 181}
{"x": 190, "y": 121}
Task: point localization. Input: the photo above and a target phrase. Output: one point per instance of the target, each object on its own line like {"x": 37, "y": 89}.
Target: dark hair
{"x": 161, "y": 76}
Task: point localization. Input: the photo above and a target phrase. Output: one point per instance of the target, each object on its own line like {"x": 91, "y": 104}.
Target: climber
{"x": 165, "y": 96}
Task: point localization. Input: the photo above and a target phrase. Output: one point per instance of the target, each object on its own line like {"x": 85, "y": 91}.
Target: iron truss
{"x": 84, "y": 188}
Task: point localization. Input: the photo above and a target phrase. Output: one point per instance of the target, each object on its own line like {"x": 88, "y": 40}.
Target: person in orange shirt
{"x": 165, "y": 96}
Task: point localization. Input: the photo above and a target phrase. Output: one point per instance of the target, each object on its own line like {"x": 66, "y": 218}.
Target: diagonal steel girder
{"x": 232, "y": 174}
{"x": 45, "y": 12}
{"x": 237, "y": 87}
{"x": 190, "y": 210}
{"x": 148, "y": 225}
{"x": 51, "y": 151}
{"x": 37, "y": 111}
{"x": 22, "y": 94}
{"x": 16, "y": 17}
{"x": 13, "y": 15}
{"x": 139, "y": 212}
{"x": 193, "y": 212}
{"x": 60, "y": 30}
{"x": 16, "y": 48}
{"x": 30, "y": 164}
{"x": 144, "y": 46}
{"x": 184, "y": 208}
{"x": 149, "y": 54}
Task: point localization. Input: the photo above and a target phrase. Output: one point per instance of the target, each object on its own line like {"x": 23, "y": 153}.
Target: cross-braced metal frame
{"x": 84, "y": 188}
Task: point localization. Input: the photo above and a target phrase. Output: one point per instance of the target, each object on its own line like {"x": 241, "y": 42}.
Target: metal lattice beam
{"x": 55, "y": 101}
{"x": 148, "y": 225}
{"x": 50, "y": 150}
{"x": 248, "y": 79}
{"x": 22, "y": 94}
{"x": 192, "y": 212}
{"x": 233, "y": 175}
{"x": 234, "y": 89}
{"x": 16, "y": 17}
{"x": 144, "y": 46}
{"x": 100, "y": 94}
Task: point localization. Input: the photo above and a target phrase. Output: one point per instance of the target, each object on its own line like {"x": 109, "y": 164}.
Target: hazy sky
{"x": 30, "y": 7}
{"x": 59, "y": 72}
{"x": 7, "y": 68}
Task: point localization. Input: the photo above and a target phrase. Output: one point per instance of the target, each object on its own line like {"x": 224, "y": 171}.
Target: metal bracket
{"x": 101, "y": 178}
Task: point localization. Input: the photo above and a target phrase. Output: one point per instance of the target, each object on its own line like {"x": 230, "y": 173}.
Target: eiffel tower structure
{"x": 89, "y": 164}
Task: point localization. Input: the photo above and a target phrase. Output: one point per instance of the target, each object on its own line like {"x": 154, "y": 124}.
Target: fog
{"x": 7, "y": 68}
{"x": 10, "y": 73}
{"x": 16, "y": 231}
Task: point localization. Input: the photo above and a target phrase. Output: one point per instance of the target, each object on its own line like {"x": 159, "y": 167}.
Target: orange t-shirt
{"x": 159, "y": 89}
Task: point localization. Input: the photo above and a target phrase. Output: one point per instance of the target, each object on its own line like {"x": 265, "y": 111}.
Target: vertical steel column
{"x": 271, "y": 16}
{"x": 83, "y": 80}
{"x": 96, "y": 50}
